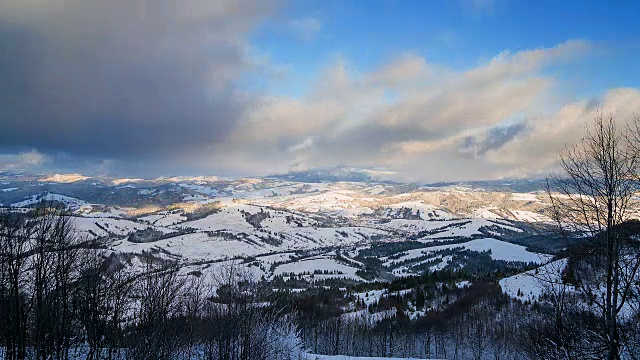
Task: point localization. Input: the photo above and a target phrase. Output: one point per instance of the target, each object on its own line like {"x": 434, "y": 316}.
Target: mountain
{"x": 309, "y": 227}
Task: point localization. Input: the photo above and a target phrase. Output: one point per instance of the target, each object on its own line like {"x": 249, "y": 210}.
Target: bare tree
{"x": 594, "y": 197}
{"x": 38, "y": 270}
{"x": 16, "y": 230}
{"x": 54, "y": 259}
{"x": 158, "y": 292}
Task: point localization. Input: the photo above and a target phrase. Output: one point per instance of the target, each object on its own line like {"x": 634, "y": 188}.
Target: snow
{"x": 376, "y": 190}
{"x": 164, "y": 219}
{"x": 464, "y": 229}
{"x": 529, "y": 216}
{"x": 424, "y": 209}
{"x": 472, "y": 227}
{"x": 119, "y": 227}
{"x": 486, "y": 213}
{"x": 370, "y": 297}
{"x": 445, "y": 261}
{"x": 229, "y": 217}
{"x": 321, "y": 217}
{"x": 369, "y": 317}
{"x": 193, "y": 247}
{"x": 197, "y": 179}
{"x": 324, "y": 201}
{"x": 96, "y": 211}
{"x": 202, "y": 189}
{"x": 524, "y": 197}
{"x": 128, "y": 186}
{"x": 293, "y": 230}
{"x": 531, "y": 284}
{"x": 319, "y": 263}
{"x": 414, "y": 225}
{"x": 71, "y": 202}
{"x": 195, "y": 198}
{"x": 63, "y": 178}
{"x": 354, "y": 212}
{"x": 271, "y": 259}
{"x": 125, "y": 180}
{"x": 500, "y": 250}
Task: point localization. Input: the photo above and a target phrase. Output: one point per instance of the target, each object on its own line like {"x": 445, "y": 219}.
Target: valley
{"x": 360, "y": 231}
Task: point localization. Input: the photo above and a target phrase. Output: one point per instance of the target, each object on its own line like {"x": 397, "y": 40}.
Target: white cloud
{"x": 32, "y": 158}
{"x": 409, "y": 118}
{"x": 307, "y": 143}
{"x": 489, "y": 121}
{"x": 549, "y": 134}
{"x": 26, "y": 160}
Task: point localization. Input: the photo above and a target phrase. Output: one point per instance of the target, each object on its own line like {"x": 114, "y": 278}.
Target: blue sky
{"x": 410, "y": 90}
{"x": 458, "y": 34}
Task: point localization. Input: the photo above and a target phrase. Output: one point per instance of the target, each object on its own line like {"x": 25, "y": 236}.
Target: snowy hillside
{"x": 330, "y": 229}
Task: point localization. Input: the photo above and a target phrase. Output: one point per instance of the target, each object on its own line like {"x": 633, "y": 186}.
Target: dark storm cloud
{"x": 119, "y": 78}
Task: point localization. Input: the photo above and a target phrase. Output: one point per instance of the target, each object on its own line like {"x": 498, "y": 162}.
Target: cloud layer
{"x": 423, "y": 121}
{"x": 121, "y": 86}
{"x": 122, "y": 78}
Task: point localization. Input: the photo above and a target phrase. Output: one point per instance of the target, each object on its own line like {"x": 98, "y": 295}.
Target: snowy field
{"x": 500, "y": 250}
{"x": 335, "y": 268}
{"x": 530, "y": 285}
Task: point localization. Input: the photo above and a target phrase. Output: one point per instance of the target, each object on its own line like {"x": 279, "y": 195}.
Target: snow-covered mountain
{"x": 280, "y": 227}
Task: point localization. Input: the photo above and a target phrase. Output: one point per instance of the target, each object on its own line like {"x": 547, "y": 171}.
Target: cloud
{"x": 491, "y": 139}
{"x": 546, "y": 135}
{"x": 32, "y": 158}
{"x": 122, "y": 88}
{"x": 23, "y": 161}
{"x": 306, "y": 28}
{"x": 307, "y": 143}
{"x": 121, "y": 79}
{"x": 490, "y": 121}
{"x": 420, "y": 120}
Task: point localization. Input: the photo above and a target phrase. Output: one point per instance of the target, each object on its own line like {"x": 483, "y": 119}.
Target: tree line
{"x": 62, "y": 297}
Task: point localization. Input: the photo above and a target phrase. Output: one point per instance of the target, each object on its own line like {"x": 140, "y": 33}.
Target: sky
{"x": 410, "y": 90}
